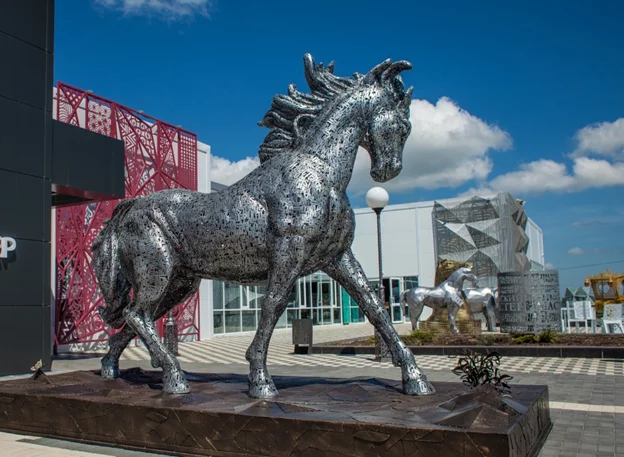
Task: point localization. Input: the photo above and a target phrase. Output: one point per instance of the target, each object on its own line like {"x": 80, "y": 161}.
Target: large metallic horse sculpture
{"x": 482, "y": 300}
{"x": 446, "y": 295}
{"x": 288, "y": 218}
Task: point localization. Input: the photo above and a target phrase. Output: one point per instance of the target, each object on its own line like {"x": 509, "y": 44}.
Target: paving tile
{"x": 588, "y": 417}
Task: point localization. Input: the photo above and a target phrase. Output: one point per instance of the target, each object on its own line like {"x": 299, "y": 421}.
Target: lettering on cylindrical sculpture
{"x": 529, "y": 302}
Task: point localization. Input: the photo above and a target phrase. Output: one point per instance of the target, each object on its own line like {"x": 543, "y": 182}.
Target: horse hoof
{"x": 176, "y": 385}
{"x": 110, "y": 372}
{"x": 261, "y": 385}
{"x": 418, "y": 387}
{"x": 263, "y": 391}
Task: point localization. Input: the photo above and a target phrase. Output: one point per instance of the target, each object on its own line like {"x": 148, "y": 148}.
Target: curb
{"x": 588, "y": 352}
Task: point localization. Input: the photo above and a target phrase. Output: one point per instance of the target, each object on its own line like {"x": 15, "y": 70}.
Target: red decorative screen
{"x": 158, "y": 156}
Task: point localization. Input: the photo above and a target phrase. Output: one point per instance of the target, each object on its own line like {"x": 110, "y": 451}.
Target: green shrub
{"x": 476, "y": 369}
{"x": 485, "y": 340}
{"x": 547, "y": 336}
{"x": 528, "y": 338}
{"x": 419, "y": 337}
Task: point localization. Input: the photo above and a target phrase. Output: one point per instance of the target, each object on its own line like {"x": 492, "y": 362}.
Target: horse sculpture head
{"x": 387, "y": 118}
{"x": 463, "y": 274}
{"x": 377, "y": 101}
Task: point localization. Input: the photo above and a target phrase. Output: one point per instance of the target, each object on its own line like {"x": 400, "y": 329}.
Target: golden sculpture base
{"x": 438, "y": 323}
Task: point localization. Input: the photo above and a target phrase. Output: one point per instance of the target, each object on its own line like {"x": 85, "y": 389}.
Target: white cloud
{"x": 549, "y": 266}
{"x": 226, "y": 172}
{"x": 546, "y": 175}
{"x": 447, "y": 147}
{"x": 605, "y": 138}
{"x": 576, "y": 251}
{"x": 170, "y": 10}
{"x": 589, "y": 223}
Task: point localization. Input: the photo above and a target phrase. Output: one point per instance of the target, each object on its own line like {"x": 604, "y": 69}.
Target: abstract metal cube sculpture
{"x": 489, "y": 233}
{"x": 288, "y": 218}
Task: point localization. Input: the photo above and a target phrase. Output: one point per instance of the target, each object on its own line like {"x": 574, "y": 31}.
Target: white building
{"x": 409, "y": 260}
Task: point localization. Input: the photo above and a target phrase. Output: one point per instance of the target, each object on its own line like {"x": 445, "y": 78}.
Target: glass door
{"x": 395, "y": 288}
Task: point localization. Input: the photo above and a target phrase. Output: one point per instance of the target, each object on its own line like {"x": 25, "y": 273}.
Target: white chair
{"x": 613, "y": 318}
{"x": 612, "y": 326}
{"x": 579, "y": 311}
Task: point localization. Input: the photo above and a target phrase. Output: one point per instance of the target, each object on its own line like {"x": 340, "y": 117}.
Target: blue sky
{"x": 525, "y": 99}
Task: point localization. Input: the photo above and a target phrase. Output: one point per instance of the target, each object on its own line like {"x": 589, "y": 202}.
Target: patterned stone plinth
{"x": 313, "y": 417}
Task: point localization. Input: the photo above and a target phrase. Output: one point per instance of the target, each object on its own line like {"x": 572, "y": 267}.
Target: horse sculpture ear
{"x": 394, "y": 69}
{"x": 375, "y": 74}
{"x": 309, "y": 67}
{"x": 386, "y": 72}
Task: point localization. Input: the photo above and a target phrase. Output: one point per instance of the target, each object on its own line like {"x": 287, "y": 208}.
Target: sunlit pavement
{"x": 586, "y": 411}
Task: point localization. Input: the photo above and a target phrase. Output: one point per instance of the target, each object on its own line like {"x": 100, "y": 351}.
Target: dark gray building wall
{"x": 26, "y": 53}
{"x": 42, "y": 163}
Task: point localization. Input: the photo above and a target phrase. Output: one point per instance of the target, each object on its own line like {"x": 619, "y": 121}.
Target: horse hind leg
{"x": 179, "y": 291}
{"x": 153, "y": 278}
{"x": 415, "y": 311}
{"x": 116, "y": 345}
{"x": 141, "y": 320}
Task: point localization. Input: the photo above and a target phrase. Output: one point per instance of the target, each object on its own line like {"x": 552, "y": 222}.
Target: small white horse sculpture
{"x": 482, "y": 300}
{"x": 448, "y": 294}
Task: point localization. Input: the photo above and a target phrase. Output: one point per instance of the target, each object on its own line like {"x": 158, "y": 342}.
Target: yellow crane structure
{"x": 608, "y": 288}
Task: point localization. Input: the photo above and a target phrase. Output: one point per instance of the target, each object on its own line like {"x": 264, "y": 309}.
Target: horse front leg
{"x": 286, "y": 264}
{"x": 348, "y": 272}
{"x": 453, "y": 308}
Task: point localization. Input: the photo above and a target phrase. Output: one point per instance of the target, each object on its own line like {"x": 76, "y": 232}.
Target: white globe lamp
{"x": 377, "y": 198}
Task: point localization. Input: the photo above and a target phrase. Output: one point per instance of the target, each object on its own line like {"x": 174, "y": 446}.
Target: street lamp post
{"x": 377, "y": 198}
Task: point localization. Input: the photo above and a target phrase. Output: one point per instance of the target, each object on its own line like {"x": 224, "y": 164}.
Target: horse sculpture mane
{"x": 291, "y": 115}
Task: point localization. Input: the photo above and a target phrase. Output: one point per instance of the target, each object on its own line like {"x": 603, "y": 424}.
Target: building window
{"x": 317, "y": 297}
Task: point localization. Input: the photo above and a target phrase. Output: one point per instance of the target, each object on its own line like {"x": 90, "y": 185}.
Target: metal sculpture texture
{"x": 288, "y": 218}
{"x": 446, "y": 295}
{"x": 482, "y": 300}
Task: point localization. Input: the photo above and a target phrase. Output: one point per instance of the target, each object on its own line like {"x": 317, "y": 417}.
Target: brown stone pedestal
{"x": 313, "y": 417}
{"x": 438, "y": 323}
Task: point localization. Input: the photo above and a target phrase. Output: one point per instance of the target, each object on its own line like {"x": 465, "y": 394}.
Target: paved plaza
{"x": 586, "y": 411}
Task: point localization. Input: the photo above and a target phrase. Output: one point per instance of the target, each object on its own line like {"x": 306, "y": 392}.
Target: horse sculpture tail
{"x": 107, "y": 266}
{"x": 403, "y": 299}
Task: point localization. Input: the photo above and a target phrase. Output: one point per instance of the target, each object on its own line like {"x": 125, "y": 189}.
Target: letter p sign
{"x": 7, "y": 245}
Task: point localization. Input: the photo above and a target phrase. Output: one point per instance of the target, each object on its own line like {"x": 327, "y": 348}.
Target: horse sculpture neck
{"x": 456, "y": 280}
{"x": 335, "y": 137}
